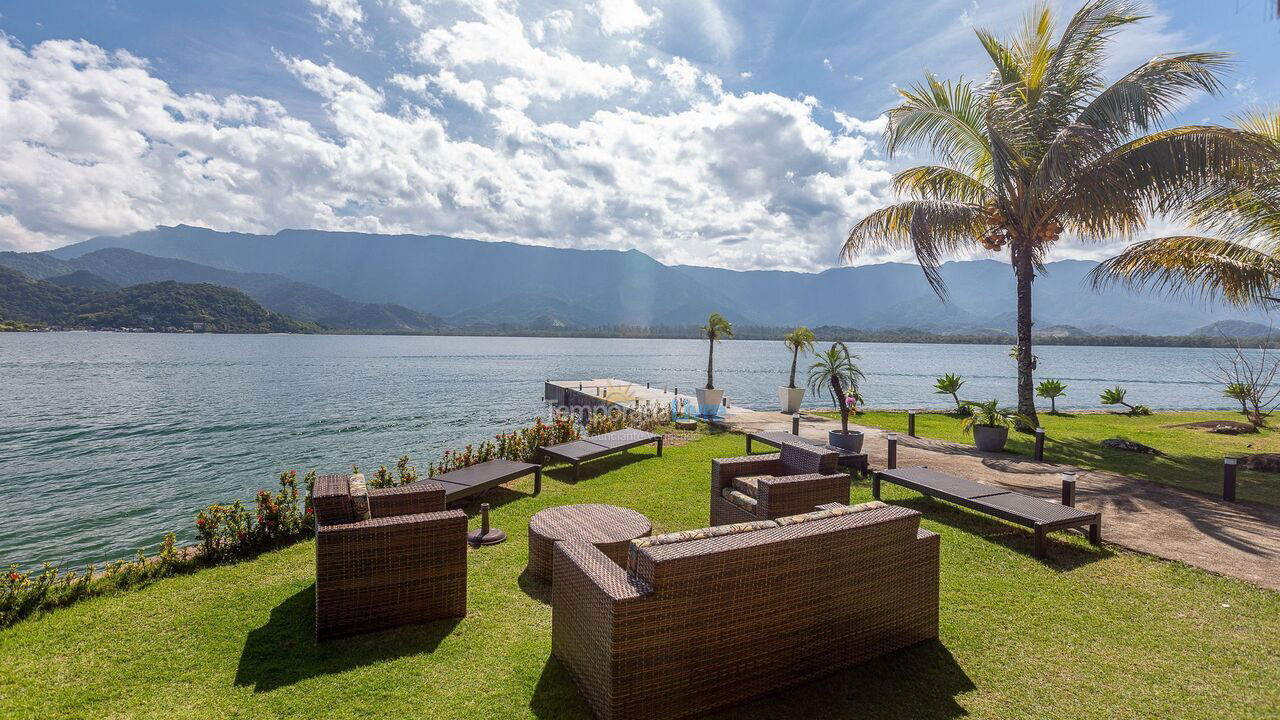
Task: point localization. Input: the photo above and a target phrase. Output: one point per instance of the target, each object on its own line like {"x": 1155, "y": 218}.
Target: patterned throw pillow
{"x": 748, "y": 485}
{"x": 833, "y": 512}
{"x": 360, "y": 497}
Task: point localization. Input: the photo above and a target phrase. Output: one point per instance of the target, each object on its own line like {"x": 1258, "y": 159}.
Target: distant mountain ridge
{"x": 474, "y": 283}
{"x": 164, "y": 305}
{"x": 302, "y": 301}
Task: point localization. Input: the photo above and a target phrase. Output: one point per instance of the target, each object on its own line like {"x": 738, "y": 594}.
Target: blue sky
{"x": 735, "y": 134}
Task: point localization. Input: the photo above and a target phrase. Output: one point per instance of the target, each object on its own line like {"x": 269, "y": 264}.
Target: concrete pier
{"x": 612, "y": 393}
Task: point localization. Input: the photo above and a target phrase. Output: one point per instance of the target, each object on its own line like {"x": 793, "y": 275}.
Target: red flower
{"x": 200, "y": 521}
{"x": 310, "y": 511}
{"x": 15, "y": 576}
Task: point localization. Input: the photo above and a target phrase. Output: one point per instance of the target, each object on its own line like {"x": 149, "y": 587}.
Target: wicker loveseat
{"x": 406, "y": 564}
{"x": 794, "y": 480}
{"x": 705, "y": 619}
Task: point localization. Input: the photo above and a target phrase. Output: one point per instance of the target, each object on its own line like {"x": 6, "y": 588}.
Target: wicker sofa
{"x": 702, "y": 620}
{"x": 793, "y": 480}
{"x": 406, "y": 564}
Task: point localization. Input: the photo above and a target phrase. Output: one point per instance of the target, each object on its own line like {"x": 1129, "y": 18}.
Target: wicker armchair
{"x": 794, "y": 480}
{"x": 689, "y": 627}
{"x": 405, "y": 565}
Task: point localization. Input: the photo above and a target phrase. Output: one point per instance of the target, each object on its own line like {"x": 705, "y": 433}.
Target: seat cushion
{"x": 833, "y": 512}
{"x": 748, "y": 485}
{"x": 698, "y": 534}
{"x": 741, "y": 499}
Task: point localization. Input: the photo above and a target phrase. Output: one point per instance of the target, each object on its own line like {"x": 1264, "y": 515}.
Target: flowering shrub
{"x": 520, "y": 445}
{"x": 403, "y": 475}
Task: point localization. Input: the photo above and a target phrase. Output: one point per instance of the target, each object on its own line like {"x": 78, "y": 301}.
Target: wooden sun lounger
{"x": 468, "y": 481}
{"x": 848, "y": 458}
{"x": 1039, "y": 515}
{"x": 579, "y": 451}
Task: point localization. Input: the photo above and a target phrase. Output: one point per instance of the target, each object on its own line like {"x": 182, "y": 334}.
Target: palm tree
{"x": 950, "y": 384}
{"x": 835, "y": 371}
{"x": 717, "y": 327}
{"x": 800, "y": 339}
{"x": 1051, "y": 389}
{"x": 1240, "y": 392}
{"x": 1242, "y": 268}
{"x": 1044, "y": 147}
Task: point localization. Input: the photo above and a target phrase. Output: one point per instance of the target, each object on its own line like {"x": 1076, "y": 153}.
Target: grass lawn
{"x": 1087, "y": 632}
{"x": 1193, "y": 456}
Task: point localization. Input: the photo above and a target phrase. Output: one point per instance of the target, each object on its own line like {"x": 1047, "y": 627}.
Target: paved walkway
{"x": 1237, "y": 539}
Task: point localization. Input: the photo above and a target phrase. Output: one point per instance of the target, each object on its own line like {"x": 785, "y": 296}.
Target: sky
{"x": 743, "y": 135}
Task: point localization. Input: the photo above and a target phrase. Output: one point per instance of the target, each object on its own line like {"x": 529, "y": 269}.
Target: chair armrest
{"x": 724, "y": 470}
{"x": 795, "y": 494}
{"x": 808, "y": 459}
{"x": 411, "y": 499}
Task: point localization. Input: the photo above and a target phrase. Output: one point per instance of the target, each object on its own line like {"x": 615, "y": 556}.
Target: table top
{"x": 590, "y": 523}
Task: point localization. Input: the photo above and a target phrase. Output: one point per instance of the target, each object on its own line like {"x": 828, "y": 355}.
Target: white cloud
{"x": 745, "y": 75}
{"x": 92, "y": 143}
{"x": 874, "y": 126}
{"x": 622, "y": 17}
{"x": 341, "y": 16}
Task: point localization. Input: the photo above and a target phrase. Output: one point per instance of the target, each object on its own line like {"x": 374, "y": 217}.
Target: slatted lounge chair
{"x": 1039, "y": 515}
{"x": 579, "y": 451}
{"x": 702, "y": 620}
{"x": 475, "y": 479}
{"x": 404, "y": 565}
{"x": 796, "y": 479}
{"x": 778, "y": 438}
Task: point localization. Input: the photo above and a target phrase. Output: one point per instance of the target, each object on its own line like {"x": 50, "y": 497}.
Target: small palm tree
{"x": 990, "y": 414}
{"x": 1240, "y": 392}
{"x": 1046, "y": 147}
{"x": 1116, "y": 396}
{"x": 950, "y": 384}
{"x": 799, "y": 340}
{"x": 1052, "y": 389}
{"x": 835, "y": 372}
{"x": 715, "y": 329}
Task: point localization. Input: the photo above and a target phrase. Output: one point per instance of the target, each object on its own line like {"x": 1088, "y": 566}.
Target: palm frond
{"x": 1237, "y": 273}
{"x": 946, "y": 117}
{"x": 937, "y": 182}
{"x": 933, "y": 229}
{"x": 1139, "y": 101}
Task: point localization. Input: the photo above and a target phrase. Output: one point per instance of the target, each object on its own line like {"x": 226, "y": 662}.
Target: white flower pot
{"x": 710, "y": 401}
{"x": 790, "y": 399}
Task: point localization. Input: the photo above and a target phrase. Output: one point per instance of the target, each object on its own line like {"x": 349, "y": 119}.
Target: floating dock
{"x": 612, "y": 393}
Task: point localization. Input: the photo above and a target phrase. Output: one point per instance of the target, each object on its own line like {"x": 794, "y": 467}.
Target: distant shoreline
{"x": 750, "y": 333}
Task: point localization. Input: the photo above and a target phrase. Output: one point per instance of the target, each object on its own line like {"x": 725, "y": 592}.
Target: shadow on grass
{"x": 918, "y": 683}
{"x": 534, "y": 587}
{"x": 496, "y": 497}
{"x": 284, "y": 651}
{"x": 1059, "y": 556}
{"x": 563, "y": 472}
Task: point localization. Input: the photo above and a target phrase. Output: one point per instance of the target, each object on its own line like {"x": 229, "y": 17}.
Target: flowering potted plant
{"x": 836, "y": 373}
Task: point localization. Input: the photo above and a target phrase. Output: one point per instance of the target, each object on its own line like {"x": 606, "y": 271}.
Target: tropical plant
{"x": 1116, "y": 396}
{"x": 1045, "y": 147}
{"x": 1250, "y": 379}
{"x": 950, "y": 384}
{"x": 799, "y": 340}
{"x": 1239, "y": 392}
{"x": 835, "y": 372}
{"x": 990, "y": 414}
{"x": 1051, "y": 389}
{"x": 715, "y": 329}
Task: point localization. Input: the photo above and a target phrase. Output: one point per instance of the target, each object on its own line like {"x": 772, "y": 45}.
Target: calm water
{"x": 109, "y": 440}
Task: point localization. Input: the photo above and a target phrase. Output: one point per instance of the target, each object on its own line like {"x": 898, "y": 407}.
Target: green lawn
{"x": 1089, "y": 632}
{"x": 1193, "y": 456}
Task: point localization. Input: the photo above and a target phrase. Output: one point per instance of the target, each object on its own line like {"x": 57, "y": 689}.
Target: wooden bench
{"x": 1039, "y": 515}
{"x": 579, "y": 451}
{"x": 848, "y": 458}
{"x": 468, "y": 481}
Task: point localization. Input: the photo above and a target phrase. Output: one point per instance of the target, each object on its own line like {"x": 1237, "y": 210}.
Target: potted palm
{"x": 798, "y": 340}
{"x": 711, "y": 398}
{"x": 989, "y": 424}
{"x": 835, "y": 372}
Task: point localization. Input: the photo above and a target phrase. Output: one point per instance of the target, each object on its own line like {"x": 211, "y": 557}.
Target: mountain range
{"x": 412, "y": 282}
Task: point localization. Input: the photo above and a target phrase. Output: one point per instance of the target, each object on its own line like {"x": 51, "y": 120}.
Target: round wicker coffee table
{"x": 608, "y": 527}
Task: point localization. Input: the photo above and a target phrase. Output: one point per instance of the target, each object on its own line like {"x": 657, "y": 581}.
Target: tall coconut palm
{"x": 1045, "y": 147}
{"x": 1243, "y": 266}
{"x": 799, "y": 340}
{"x": 715, "y": 329}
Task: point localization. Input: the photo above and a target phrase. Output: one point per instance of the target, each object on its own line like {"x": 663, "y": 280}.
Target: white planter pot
{"x": 790, "y": 399}
{"x": 710, "y": 401}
